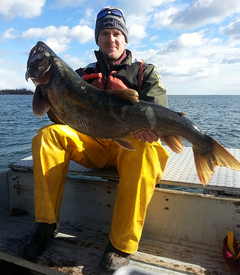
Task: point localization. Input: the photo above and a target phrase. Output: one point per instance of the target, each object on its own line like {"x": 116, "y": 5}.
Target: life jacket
{"x": 113, "y": 83}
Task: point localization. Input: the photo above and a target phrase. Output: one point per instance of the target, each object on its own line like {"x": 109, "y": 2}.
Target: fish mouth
{"x": 40, "y": 80}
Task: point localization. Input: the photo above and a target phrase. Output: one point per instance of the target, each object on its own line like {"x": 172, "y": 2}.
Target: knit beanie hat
{"x": 111, "y": 21}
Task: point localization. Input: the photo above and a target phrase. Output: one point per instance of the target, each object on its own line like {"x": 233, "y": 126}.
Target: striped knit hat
{"x": 110, "y": 18}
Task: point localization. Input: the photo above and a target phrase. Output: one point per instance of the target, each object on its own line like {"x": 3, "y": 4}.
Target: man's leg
{"x": 52, "y": 149}
{"x": 139, "y": 172}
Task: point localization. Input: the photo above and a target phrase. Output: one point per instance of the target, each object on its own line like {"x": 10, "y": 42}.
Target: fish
{"x": 116, "y": 114}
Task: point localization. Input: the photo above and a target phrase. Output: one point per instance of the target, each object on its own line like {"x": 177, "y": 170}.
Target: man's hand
{"x": 144, "y": 136}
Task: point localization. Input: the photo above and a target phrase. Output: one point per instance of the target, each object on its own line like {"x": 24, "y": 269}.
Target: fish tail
{"x": 207, "y": 161}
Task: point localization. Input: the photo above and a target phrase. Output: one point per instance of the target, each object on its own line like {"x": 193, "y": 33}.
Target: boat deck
{"x": 185, "y": 224}
{"x": 79, "y": 250}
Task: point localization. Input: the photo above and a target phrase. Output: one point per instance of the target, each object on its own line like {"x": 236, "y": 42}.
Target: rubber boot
{"x": 113, "y": 258}
{"x": 38, "y": 240}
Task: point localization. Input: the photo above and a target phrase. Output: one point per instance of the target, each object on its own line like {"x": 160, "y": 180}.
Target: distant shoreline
{"x": 16, "y": 92}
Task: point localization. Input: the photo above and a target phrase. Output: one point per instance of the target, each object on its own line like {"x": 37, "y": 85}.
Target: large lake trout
{"x": 116, "y": 114}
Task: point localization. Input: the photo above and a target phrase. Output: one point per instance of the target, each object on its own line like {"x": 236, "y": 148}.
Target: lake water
{"x": 217, "y": 116}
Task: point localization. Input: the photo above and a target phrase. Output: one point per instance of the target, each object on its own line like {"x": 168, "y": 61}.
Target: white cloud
{"x": 81, "y": 33}
{"x": 88, "y": 19}
{"x": 75, "y": 62}
{"x": 189, "y": 40}
{"x": 60, "y": 38}
{"x": 198, "y": 13}
{"x": 55, "y": 45}
{"x": 137, "y": 28}
{"x": 191, "y": 54}
{"x": 8, "y": 74}
{"x": 139, "y": 15}
{"x": 195, "y": 63}
{"x": 22, "y": 8}
{"x": 137, "y": 32}
{"x": 8, "y": 34}
{"x": 141, "y": 7}
{"x": 232, "y": 30}
{"x": 193, "y": 67}
{"x": 164, "y": 18}
{"x": 50, "y": 31}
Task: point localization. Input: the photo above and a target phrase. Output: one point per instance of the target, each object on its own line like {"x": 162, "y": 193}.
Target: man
{"x": 55, "y": 145}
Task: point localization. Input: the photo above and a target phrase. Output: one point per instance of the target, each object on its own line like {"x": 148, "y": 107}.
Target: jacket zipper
{"x": 104, "y": 82}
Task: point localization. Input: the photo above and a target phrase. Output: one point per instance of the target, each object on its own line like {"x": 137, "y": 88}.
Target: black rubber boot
{"x": 38, "y": 240}
{"x": 113, "y": 258}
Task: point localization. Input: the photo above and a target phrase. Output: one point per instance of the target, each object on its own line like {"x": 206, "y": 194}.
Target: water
{"x": 218, "y": 116}
{"x": 17, "y": 128}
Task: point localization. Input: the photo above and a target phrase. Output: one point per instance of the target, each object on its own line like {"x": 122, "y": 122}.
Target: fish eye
{"x": 40, "y": 48}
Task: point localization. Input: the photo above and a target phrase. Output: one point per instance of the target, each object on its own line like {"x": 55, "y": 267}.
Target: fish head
{"x": 39, "y": 63}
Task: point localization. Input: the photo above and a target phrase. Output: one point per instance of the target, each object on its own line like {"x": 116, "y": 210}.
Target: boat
{"x": 185, "y": 225}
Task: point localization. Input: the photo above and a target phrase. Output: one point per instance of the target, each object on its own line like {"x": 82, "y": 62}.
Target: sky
{"x": 195, "y": 44}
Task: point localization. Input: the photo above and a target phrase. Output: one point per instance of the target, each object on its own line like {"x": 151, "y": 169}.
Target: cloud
{"x": 56, "y": 46}
{"x": 75, "y": 62}
{"x": 198, "y": 13}
{"x": 195, "y": 63}
{"x": 137, "y": 32}
{"x": 232, "y": 30}
{"x": 8, "y": 74}
{"x": 88, "y": 19}
{"x": 8, "y": 34}
{"x": 141, "y": 7}
{"x": 231, "y": 60}
{"x": 60, "y": 37}
{"x": 192, "y": 54}
{"x": 50, "y": 31}
{"x": 82, "y": 34}
{"x": 188, "y": 40}
{"x": 22, "y": 8}
{"x": 165, "y": 17}
{"x": 137, "y": 28}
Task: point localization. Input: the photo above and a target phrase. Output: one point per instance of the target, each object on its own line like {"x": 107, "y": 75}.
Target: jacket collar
{"x": 120, "y": 60}
{"x": 102, "y": 61}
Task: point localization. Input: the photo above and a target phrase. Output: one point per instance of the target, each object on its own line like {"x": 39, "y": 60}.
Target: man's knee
{"x": 51, "y": 132}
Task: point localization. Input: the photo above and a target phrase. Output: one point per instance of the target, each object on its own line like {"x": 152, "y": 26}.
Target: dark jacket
{"x": 152, "y": 87}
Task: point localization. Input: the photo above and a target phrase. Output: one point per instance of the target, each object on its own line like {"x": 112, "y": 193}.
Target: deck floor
{"x": 79, "y": 250}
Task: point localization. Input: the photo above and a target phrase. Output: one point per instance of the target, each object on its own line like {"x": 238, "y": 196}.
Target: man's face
{"x": 111, "y": 42}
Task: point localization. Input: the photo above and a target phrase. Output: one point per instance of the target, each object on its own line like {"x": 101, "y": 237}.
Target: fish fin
{"x": 124, "y": 143}
{"x": 126, "y": 94}
{"x": 206, "y": 162}
{"x": 40, "y": 105}
{"x": 173, "y": 142}
{"x": 54, "y": 118}
{"x": 181, "y": 113}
